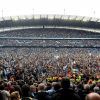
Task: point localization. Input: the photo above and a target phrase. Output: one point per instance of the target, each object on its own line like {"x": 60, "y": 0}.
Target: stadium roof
{"x": 61, "y": 21}
{"x": 70, "y": 17}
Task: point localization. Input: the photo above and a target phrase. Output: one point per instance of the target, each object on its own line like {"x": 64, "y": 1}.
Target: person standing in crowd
{"x": 5, "y": 93}
{"x": 25, "y": 93}
{"x": 42, "y": 94}
{"x": 65, "y": 93}
{"x": 15, "y": 96}
{"x": 33, "y": 91}
{"x": 93, "y": 96}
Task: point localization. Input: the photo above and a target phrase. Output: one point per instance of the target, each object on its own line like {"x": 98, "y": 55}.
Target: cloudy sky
{"x": 68, "y": 7}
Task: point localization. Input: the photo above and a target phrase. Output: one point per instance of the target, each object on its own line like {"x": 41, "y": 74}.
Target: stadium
{"x": 54, "y": 31}
{"x": 41, "y": 48}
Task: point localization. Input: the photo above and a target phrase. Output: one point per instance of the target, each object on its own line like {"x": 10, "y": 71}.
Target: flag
{"x": 65, "y": 68}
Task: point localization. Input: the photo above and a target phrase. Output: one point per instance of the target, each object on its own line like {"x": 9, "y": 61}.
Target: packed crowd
{"x": 49, "y": 33}
{"x": 56, "y": 43}
{"x": 49, "y": 74}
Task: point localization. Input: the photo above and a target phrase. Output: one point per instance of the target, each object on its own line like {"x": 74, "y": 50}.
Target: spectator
{"x": 93, "y": 96}
{"x": 42, "y": 94}
{"x": 65, "y": 93}
{"x": 15, "y": 96}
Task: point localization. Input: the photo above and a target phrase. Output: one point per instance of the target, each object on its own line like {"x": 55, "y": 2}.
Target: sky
{"x": 89, "y": 8}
